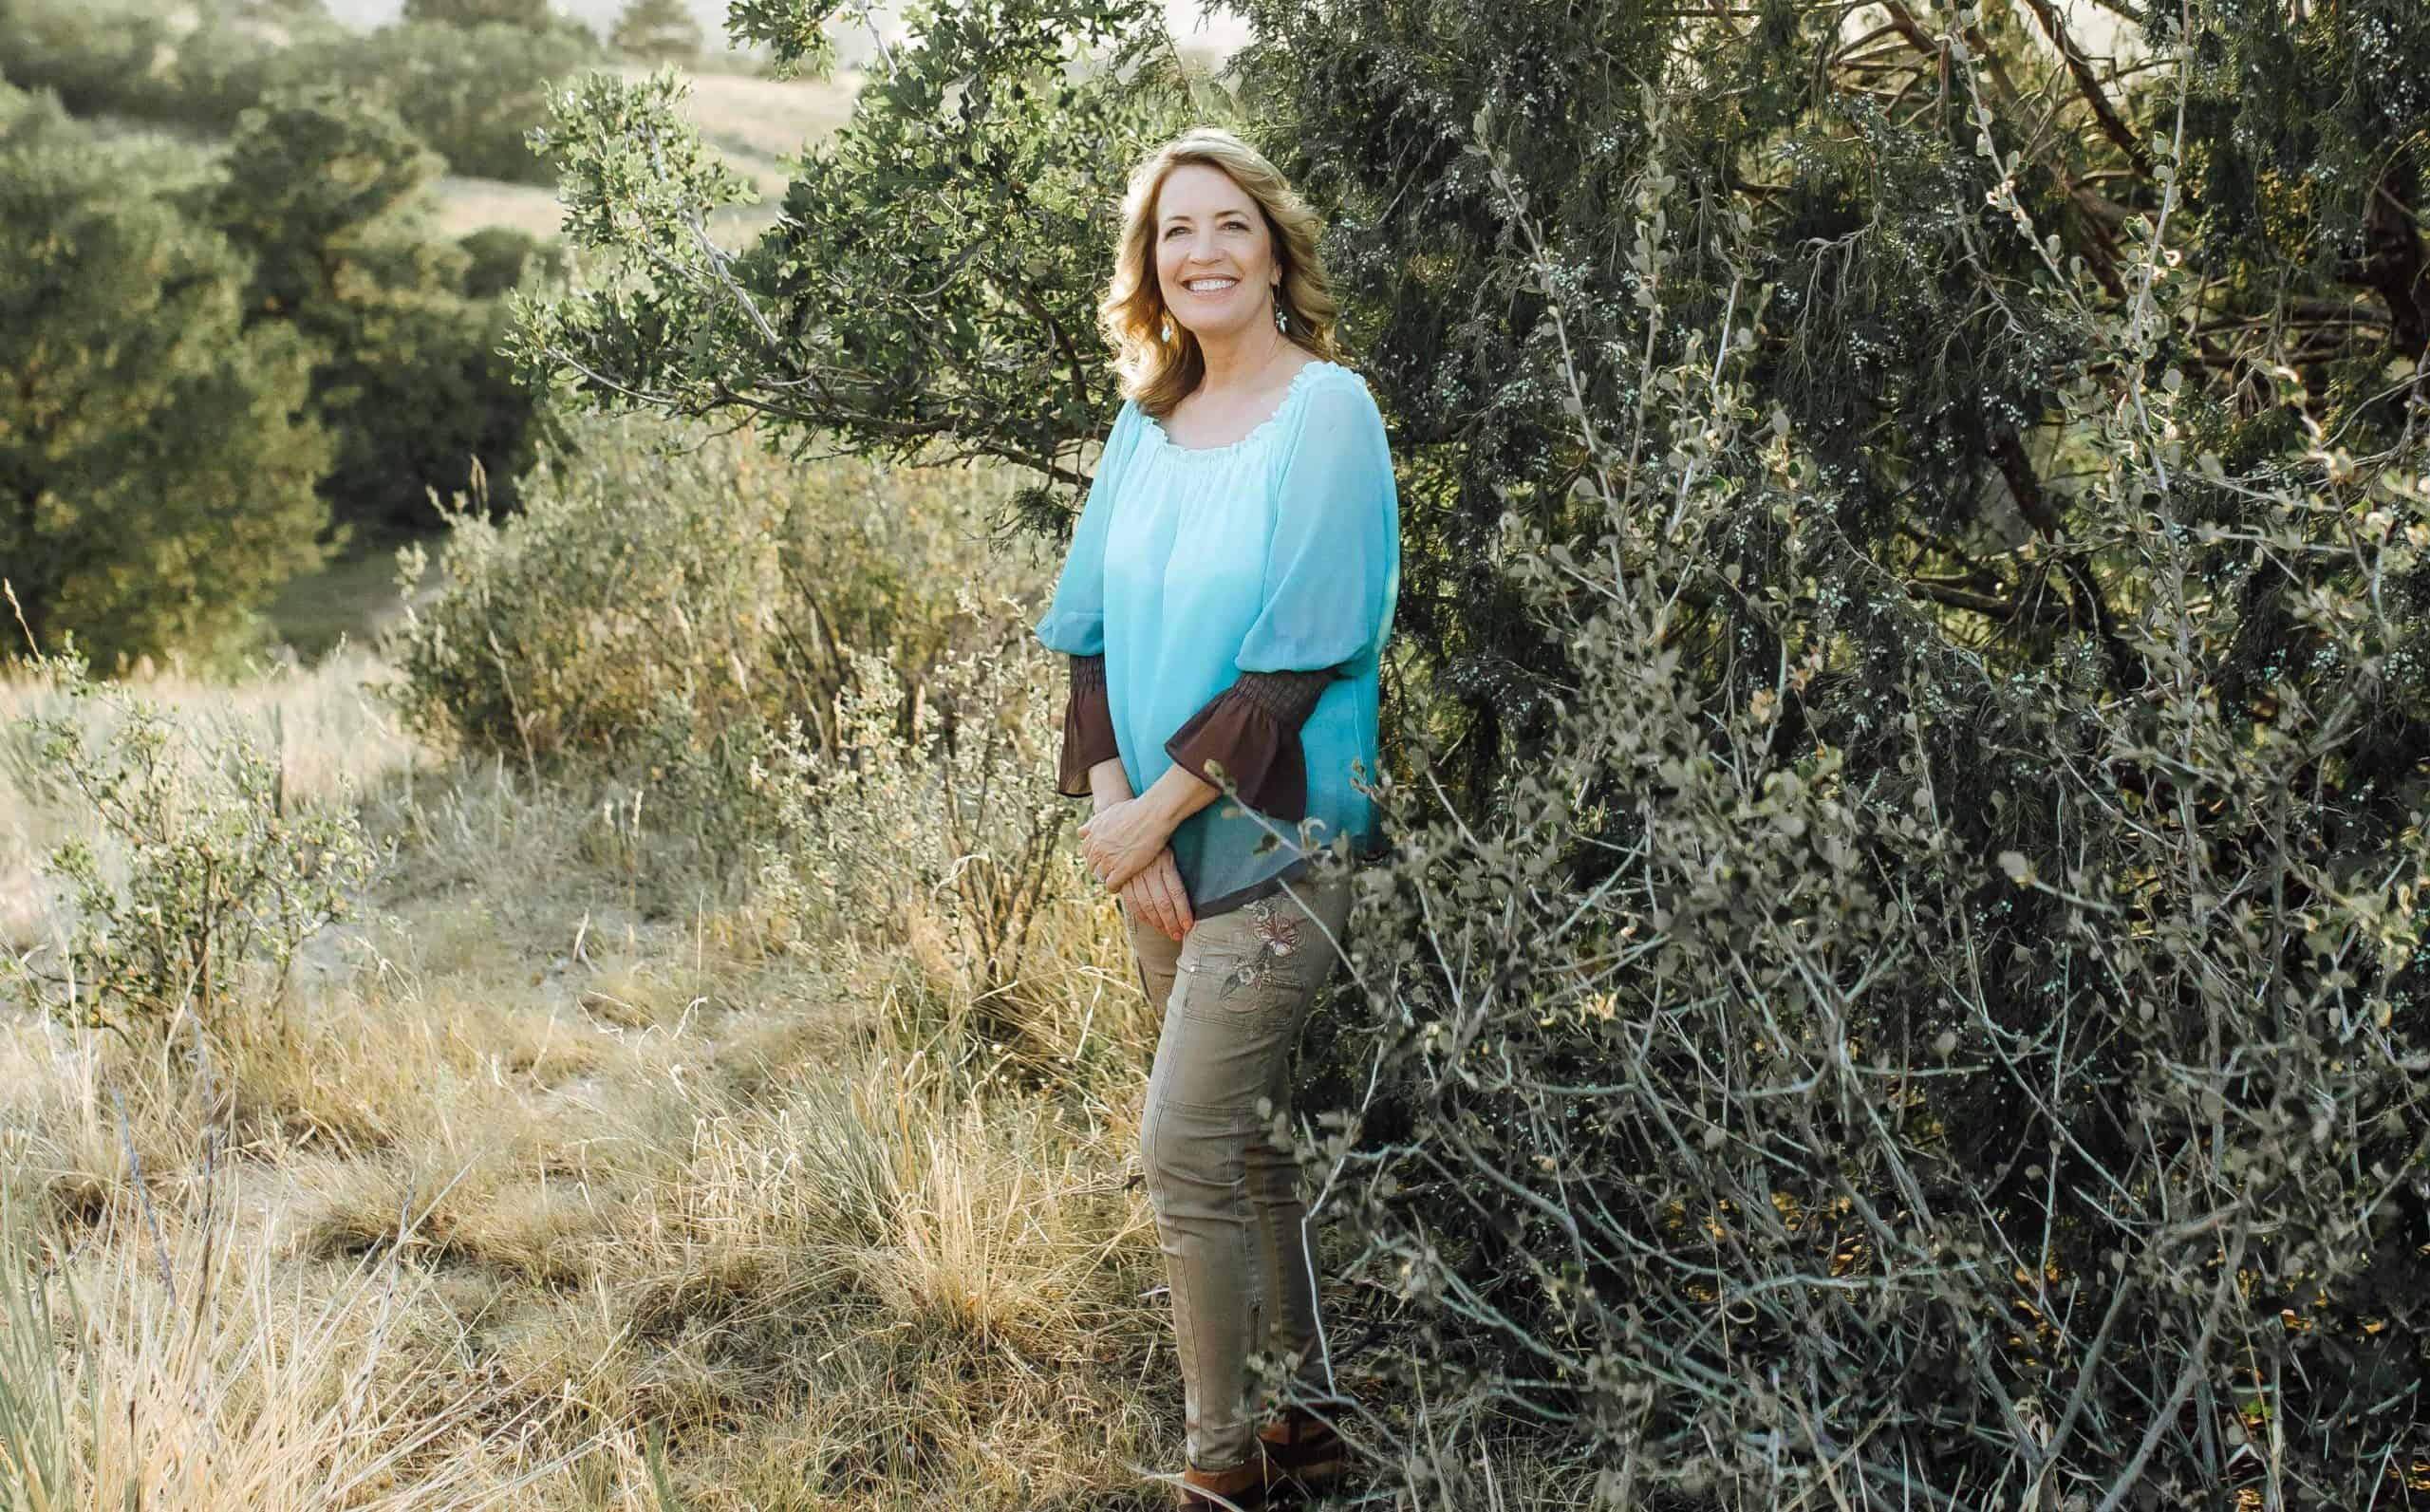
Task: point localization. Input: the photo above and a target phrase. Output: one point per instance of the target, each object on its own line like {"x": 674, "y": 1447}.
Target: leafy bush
{"x": 213, "y": 879}
{"x": 107, "y": 56}
{"x": 472, "y": 93}
{"x": 498, "y": 256}
{"x": 939, "y": 836}
{"x": 157, "y": 464}
{"x": 667, "y": 598}
{"x": 1855, "y": 1063}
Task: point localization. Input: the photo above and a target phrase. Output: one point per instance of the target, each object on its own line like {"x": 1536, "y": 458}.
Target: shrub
{"x": 330, "y": 195}
{"x": 498, "y": 256}
{"x": 92, "y": 53}
{"x": 473, "y": 94}
{"x": 667, "y": 598}
{"x": 158, "y": 473}
{"x": 1853, "y": 1065}
{"x": 939, "y": 837}
{"x": 211, "y": 878}
{"x": 657, "y": 31}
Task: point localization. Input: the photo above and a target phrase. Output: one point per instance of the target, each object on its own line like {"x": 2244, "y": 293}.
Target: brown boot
{"x": 1240, "y": 1489}
{"x": 1304, "y": 1450}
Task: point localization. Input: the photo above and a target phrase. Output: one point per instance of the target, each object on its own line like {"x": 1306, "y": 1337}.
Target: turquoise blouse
{"x": 1278, "y": 552}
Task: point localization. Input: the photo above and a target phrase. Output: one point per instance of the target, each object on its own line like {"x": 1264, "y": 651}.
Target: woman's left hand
{"x": 1120, "y": 841}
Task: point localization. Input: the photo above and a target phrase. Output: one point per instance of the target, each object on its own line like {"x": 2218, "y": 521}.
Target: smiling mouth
{"x": 1225, "y": 286}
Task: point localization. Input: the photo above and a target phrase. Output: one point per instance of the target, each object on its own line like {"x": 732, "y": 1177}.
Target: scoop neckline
{"x": 1258, "y": 433}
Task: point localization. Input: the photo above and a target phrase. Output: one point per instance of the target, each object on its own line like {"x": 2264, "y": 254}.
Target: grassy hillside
{"x": 553, "y": 1149}
{"x": 754, "y": 122}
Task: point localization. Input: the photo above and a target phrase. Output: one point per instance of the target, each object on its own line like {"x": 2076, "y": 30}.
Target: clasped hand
{"x": 1125, "y": 846}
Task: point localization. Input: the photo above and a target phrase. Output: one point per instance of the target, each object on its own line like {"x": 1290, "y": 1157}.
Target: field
{"x": 559, "y": 1147}
{"x": 532, "y": 1168}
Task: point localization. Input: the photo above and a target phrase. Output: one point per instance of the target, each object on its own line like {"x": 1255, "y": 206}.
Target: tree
{"x": 657, "y": 31}
{"x": 329, "y": 195}
{"x": 473, "y": 94}
{"x": 156, "y": 457}
{"x": 931, "y": 290}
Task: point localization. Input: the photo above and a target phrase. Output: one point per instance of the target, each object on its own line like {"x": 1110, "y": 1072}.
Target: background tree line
{"x": 221, "y": 368}
{"x": 167, "y": 472}
{"x": 465, "y": 76}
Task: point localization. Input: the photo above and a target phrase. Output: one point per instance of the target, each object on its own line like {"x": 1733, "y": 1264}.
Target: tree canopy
{"x": 157, "y": 454}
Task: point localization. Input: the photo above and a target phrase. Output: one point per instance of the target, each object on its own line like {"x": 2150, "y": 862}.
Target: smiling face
{"x": 1210, "y": 234}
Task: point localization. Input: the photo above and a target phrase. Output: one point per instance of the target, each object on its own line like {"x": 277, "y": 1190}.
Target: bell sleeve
{"x": 1074, "y": 619}
{"x": 1252, "y": 728}
{"x": 1332, "y": 580}
{"x": 1088, "y": 728}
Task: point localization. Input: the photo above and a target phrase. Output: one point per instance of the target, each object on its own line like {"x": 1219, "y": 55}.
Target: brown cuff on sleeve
{"x": 1088, "y": 728}
{"x": 1253, "y": 729}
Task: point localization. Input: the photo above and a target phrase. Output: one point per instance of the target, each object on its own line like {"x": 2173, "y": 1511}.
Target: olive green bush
{"x": 331, "y": 197}
{"x": 473, "y": 93}
{"x": 1858, "y": 1066}
{"x": 669, "y": 598}
{"x": 210, "y": 877}
{"x": 498, "y": 257}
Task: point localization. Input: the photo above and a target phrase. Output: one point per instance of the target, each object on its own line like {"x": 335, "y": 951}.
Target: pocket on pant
{"x": 1258, "y": 958}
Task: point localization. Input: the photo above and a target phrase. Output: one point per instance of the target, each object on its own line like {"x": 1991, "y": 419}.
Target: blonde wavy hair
{"x": 1157, "y": 372}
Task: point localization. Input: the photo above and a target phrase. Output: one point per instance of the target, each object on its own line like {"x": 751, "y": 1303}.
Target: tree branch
{"x": 2112, "y": 125}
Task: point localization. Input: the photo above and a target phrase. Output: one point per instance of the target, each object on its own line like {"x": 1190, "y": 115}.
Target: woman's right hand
{"x": 1156, "y": 895}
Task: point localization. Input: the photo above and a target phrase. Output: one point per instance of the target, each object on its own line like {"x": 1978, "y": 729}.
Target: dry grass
{"x": 766, "y": 118}
{"x": 526, "y": 1177}
{"x": 327, "y": 729}
{"x": 755, "y": 122}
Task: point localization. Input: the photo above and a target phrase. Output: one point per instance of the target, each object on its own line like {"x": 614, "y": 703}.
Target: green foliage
{"x": 314, "y": 183}
{"x": 473, "y": 94}
{"x": 472, "y": 89}
{"x": 930, "y": 290}
{"x": 498, "y": 256}
{"x": 666, "y": 600}
{"x": 156, "y": 467}
{"x": 102, "y": 55}
{"x": 657, "y": 31}
{"x": 213, "y": 879}
{"x": 329, "y": 195}
{"x": 1932, "y": 1007}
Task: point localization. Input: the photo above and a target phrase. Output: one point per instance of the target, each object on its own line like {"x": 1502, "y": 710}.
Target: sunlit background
{"x": 1219, "y": 33}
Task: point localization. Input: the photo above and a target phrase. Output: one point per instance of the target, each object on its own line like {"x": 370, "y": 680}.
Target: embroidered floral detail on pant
{"x": 1278, "y": 935}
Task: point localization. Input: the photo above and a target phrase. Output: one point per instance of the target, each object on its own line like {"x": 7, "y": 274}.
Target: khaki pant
{"x": 1230, "y": 1217}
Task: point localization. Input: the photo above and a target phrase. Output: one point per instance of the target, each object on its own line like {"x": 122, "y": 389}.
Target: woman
{"x": 1229, "y": 589}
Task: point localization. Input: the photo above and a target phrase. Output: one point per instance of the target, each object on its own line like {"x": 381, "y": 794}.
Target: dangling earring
{"x": 1169, "y": 327}
{"x": 1282, "y": 317}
